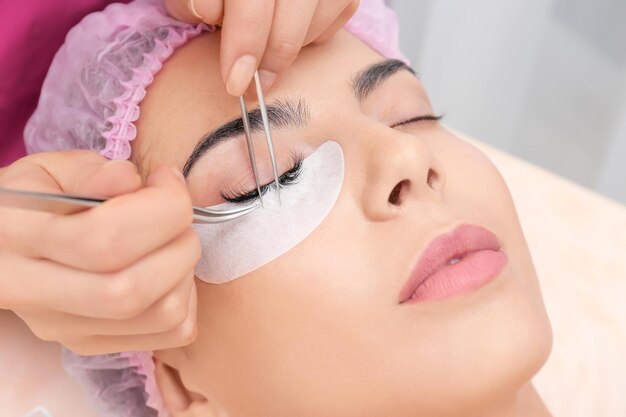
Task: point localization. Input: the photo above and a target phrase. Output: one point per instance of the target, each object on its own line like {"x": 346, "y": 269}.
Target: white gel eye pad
{"x": 237, "y": 247}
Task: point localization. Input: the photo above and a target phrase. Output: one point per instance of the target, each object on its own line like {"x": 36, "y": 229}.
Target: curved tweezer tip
{"x": 208, "y": 215}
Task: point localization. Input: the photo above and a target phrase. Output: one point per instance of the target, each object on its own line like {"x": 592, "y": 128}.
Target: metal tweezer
{"x": 268, "y": 138}
{"x": 68, "y": 203}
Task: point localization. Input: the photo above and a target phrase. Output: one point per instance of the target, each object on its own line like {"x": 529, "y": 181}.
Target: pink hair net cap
{"x": 376, "y": 24}
{"x": 90, "y": 99}
{"x": 117, "y": 384}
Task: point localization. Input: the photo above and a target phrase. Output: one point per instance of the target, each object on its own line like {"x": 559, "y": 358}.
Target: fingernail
{"x": 267, "y": 79}
{"x": 192, "y": 8}
{"x": 240, "y": 75}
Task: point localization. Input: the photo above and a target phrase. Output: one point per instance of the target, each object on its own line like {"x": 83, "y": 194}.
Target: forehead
{"x": 188, "y": 98}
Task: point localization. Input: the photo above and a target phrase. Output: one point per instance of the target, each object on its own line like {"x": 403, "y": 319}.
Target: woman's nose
{"x": 401, "y": 169}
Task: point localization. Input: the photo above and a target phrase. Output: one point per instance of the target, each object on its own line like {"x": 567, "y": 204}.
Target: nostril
{"x": 432, "y": 177}
{"x": 395, "y": 197}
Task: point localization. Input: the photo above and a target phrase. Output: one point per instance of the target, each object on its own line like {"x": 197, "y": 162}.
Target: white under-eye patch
{"x": 235, "y": 248}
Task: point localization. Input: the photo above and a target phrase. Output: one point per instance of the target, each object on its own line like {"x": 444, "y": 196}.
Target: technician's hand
{"x": 267, "y": 34}
{"x": 117, "y": 277}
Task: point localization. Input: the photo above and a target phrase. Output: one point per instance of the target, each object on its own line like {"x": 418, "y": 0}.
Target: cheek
{"x": 476, "y": 191}
{"x": 302, "y": 324}
{"x": 472, "y": 178}
{"x": 479, "y": 192}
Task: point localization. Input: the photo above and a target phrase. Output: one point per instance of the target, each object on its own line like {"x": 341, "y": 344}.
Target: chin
{"x": 525, "y": 340}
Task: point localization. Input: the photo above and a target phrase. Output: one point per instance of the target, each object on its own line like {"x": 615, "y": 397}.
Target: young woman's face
{"x": 319, "y": 331}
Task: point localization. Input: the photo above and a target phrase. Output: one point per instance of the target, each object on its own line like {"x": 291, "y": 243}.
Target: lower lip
{"x": 473, "y": 271}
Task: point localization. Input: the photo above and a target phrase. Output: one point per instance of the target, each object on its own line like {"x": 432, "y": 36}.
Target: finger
{"x": 245, "y": 32}
{"x": 329, "y": 18}
{"x": 73, "y": 172}
{"x": 289, "y": 28}
{"x": 114, "y": 178}
{"x": 44, "y": 285}
{"x": 184, "y": 335}
{"x": 109, "y": 237}
{"x": 195, "y": 11}
{"x": 166, "y": 314}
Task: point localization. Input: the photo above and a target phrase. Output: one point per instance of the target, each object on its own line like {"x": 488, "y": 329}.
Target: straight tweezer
{"x": 268, "y": 138}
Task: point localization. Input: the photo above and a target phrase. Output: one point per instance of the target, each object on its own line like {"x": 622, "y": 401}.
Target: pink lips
{"x": 434, "y": 277}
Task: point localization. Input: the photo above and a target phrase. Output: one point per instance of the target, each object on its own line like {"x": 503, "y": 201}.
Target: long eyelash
{"x": 422, "y": 118}
{"x": 290, "y": 177}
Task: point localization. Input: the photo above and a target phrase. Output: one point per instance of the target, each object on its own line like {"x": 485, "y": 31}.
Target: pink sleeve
{"x": 30, "y": 34}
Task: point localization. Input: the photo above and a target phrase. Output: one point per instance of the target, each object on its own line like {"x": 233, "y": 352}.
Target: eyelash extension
{"x": 290, "y": 177}
{"x": 429, "y": 117}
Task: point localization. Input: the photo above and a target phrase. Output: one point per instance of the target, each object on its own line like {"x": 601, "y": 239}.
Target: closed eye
{"x": 425, "y": 117}
{"x": 290, "y": 177}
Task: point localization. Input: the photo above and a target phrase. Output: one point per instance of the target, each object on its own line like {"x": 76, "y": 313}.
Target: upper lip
{"x": 462, "y": 240}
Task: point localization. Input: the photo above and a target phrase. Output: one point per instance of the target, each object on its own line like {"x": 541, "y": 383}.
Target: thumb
{"x": 166, "y": 176}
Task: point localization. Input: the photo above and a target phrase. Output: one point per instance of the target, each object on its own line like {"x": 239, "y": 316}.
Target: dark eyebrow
{"x": 364, "y": 82}
{"x": 280, "y": 113}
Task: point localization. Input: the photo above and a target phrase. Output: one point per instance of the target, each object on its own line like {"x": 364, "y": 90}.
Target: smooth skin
{"x": 86, "y": 280}
{"x": 319, "y": 331}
